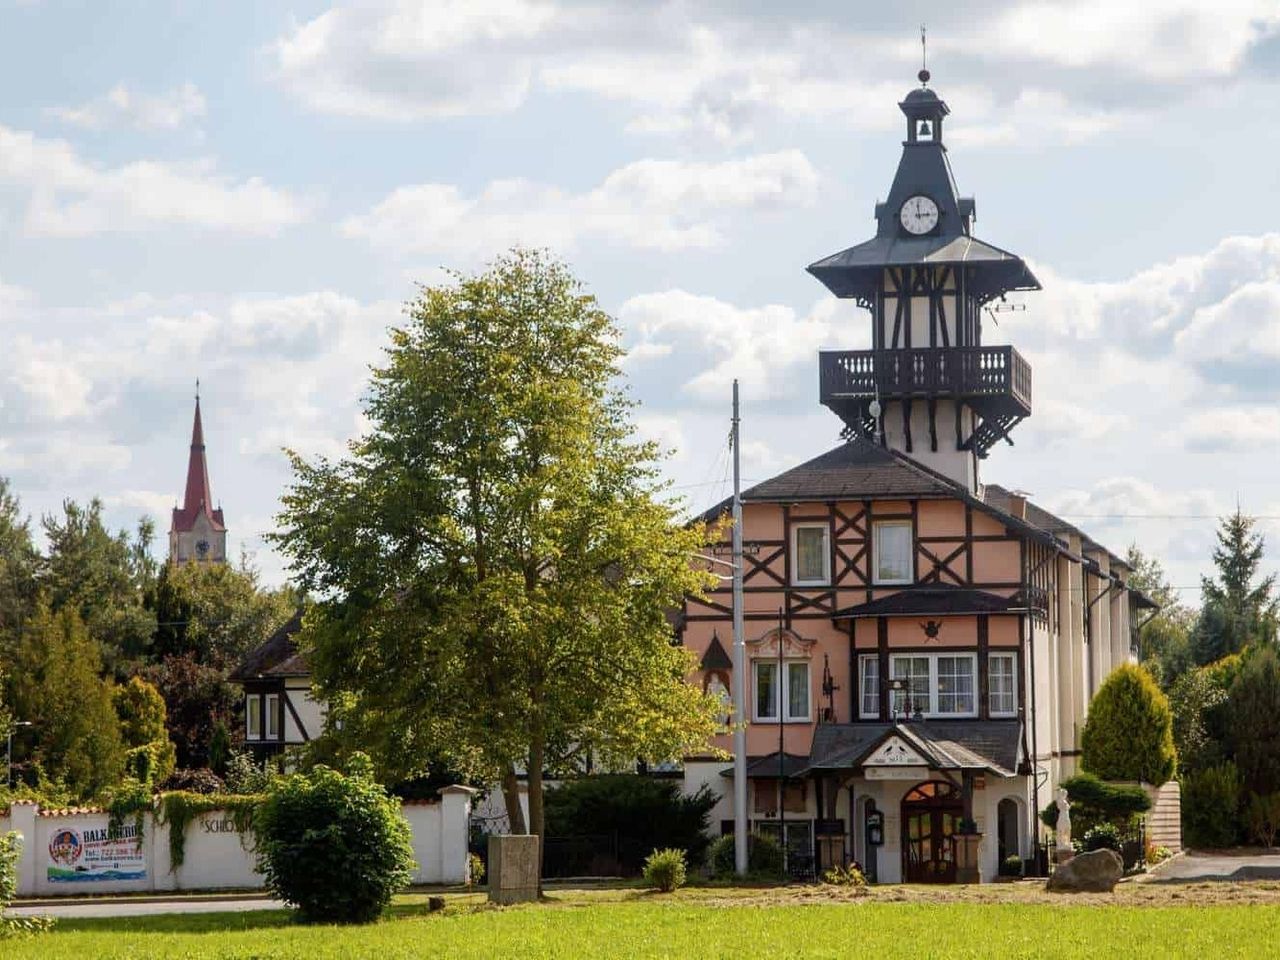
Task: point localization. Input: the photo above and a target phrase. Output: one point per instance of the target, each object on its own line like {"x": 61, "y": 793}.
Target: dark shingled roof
{"x": 277, "y": 657}
{"x": 767, "y": 766}
{"x": 854, "y": 470}
{"x": 716, "y": 658}
{"x": 936, "y": 600}
{"x": 990, "y": 745}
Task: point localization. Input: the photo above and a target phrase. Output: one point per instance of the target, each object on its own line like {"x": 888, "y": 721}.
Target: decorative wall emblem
{"x": 793, "y": 645}
{"x": 895, "y": 752}
{"x": 931, "y": 629}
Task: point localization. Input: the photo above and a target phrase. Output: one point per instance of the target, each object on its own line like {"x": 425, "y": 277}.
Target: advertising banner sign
{"x": 87, "y": 855}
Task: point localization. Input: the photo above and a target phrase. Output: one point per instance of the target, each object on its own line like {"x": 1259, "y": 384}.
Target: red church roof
{"x": 198, "y": 498}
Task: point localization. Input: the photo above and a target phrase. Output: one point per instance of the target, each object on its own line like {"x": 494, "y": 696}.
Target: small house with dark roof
{"x": 279, "y": 710}
{"x": 921, "y": 647}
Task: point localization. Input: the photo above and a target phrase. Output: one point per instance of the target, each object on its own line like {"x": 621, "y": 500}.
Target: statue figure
{"x": 1063, "y": 827}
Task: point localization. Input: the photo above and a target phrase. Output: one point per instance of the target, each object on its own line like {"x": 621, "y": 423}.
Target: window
{"x": 810, "y": 553}
{"x": 914, "y": 697}
{"x": 938, "y": 684}
{"x": 869, "y": 687}
{"x": 253, "y": 717}
{"x": 1002, "y": 684}
{"x": 955, "y": 686}
{"x": 766, "y": 796}
{"x": 796, "y": 701}
{"x": 273, "y": 716}
{"x": 892, "y": 551}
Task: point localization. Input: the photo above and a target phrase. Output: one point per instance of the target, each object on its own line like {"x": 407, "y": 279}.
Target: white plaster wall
{"x": 310, "y": 711}
{"x": 699, "y": 773}
{"x": 215, "y": 856}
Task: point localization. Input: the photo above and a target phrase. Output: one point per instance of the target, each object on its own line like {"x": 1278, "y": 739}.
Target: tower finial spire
{"x": 197, "y": 389}
{"x": 924, "y": 56}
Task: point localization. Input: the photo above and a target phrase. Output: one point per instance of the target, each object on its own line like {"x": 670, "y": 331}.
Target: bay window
{"x": 1002, "y": 685}
{"x": 811, "y": 553}
{"x": 771, "y": 699}
{"x": 934, "y": 684}
{"x": 892, "y": 552}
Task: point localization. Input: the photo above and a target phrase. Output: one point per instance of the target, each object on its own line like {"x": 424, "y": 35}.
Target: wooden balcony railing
{"x": 929, "y": 371}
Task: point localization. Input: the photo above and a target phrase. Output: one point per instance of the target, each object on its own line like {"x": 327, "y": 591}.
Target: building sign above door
{"x": 896, "y": 773}
{"x": 895, "y": 752}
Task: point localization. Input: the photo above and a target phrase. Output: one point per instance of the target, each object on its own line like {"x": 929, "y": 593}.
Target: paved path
{"x": 142, "y": 907}
{"x": 1243, "y": 865}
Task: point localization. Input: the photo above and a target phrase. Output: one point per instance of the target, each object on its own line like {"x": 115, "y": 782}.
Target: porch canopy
{"x": 887, "y": 750}
{"x": 934, "y": 600}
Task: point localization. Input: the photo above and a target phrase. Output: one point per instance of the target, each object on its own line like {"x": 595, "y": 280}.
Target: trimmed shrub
{"x": 1094, "y": 802}
{"x": 1011, "y": 866}
{"x": 642, "y": 813}
{"x": 1210, "y": 802}
{"x": 1105, "y": 836}
{"x": 764, "y": 857}
{"x": 1129, "y": 732}
{"x": 188, "y": 780}
{"x": 337, "y": 847}
{"x": 665, "y": 870}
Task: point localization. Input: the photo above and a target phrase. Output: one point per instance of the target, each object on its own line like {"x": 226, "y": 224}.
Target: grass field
{"x": 1222, "y": 920}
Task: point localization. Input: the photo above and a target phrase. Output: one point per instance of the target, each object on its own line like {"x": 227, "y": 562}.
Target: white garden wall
{"x": 67, "y": 853}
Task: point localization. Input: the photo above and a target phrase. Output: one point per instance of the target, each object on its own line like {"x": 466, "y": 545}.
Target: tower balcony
{"x": 994, "y": 381}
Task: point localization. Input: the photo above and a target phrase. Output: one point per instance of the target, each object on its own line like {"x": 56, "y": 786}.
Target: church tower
{"x": 927, "y": 387}
{"x": 197, "y": 534}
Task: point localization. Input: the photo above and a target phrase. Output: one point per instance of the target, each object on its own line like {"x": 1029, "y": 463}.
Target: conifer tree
{"x": 1128, "y": 734}
{"x": 1239, "y": 609}
{"x": 1253, "y": 722}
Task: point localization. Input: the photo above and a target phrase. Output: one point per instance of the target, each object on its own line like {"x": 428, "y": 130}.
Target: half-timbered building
{"x": 921, "y": 645}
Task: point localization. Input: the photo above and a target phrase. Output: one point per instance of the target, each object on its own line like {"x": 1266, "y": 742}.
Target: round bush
{"x": 664, "y": 870}
{"x": 337, "y": 847}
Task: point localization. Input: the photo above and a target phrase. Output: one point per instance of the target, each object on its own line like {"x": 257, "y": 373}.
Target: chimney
{"x": 1018, "y": 504}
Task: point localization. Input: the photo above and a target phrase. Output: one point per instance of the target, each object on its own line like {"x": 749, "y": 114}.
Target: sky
{"x": 247, "y": 193}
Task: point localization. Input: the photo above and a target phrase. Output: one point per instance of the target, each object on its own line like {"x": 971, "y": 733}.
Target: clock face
{"x": 919, "y": 215}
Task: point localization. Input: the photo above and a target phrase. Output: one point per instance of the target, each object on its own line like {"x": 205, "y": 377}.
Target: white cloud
{"x": 123, "y": 106}
{"x": 1245, "y": 429}
{"x": 711, "y": 71}
{"x": 71, "y": 196}
{"x": 650, "y": 204}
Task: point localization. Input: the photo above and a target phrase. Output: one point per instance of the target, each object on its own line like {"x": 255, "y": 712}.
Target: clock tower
{"x": 927, "y": 387}
{"x": 197, "y": 533}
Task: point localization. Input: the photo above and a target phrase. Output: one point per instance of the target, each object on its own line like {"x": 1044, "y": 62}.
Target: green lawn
{"x": 706, "y": 924}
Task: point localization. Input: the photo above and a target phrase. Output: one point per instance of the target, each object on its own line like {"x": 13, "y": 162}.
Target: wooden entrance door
{"x": 931, "y": 813}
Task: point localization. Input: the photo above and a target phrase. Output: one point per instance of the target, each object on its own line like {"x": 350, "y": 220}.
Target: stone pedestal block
{"x": 967, "y": 847}
{"x": 513, "y": 868}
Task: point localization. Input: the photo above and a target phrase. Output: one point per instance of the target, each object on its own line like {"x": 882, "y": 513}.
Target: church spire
{"x": 198, "y": 531}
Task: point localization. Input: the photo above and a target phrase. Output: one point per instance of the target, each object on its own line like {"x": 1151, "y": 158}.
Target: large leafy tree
{"x": 58, "y": 688}
{"x": 496, "y": 556}
{"x": 104, "y": 577}
{"x": 1164, "y": 640}
{"x": 19, "y": 566}
{"x": 1240, "y": 608}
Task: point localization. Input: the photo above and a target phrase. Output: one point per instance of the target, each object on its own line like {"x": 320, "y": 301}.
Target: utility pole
{"x": 739, "y": 662}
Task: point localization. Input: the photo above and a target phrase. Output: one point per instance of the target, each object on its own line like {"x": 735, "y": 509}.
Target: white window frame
{"x": 868, "y": 660}
{"x": 1013, "y": 692}
{"x": 933, "y": 679}
{"x": 250, "y": 733}
{"x": 876, "y": 527}
{"x": 271, "y": 715}
{"x": 782, "y": 703}
{"x": 825, "y": 579}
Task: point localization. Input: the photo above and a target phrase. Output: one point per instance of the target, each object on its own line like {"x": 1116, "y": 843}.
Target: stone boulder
{"x": 1097, "y": 871}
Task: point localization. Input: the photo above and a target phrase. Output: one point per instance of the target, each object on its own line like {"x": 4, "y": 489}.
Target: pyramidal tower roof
{"x": 198, "y": 498}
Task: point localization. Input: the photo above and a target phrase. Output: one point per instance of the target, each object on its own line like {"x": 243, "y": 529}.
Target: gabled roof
{"x": 857, "y": 469}
{"x": 990, "y": 745}
{"x": 277, "y": 657}
{"x": 1002, "y": 499}
{"x": 933, "y": 600}
{"x": 716, "y": 657}
{"x": 198, "y": 497}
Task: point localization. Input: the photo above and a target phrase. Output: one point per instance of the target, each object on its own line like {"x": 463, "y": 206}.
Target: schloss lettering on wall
{"x": 219, "y": 826}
